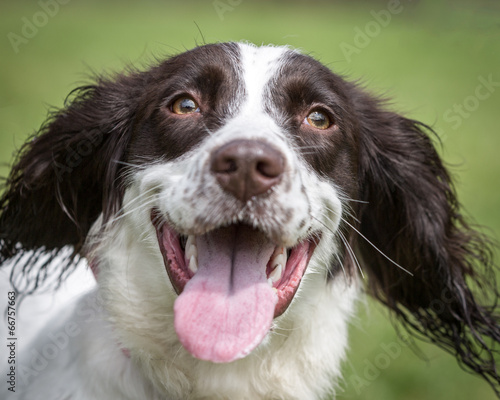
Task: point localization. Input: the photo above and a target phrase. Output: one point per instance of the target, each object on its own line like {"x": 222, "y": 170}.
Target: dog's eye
{"x": 318, "y": 119}
{"x": 185, "y": 105}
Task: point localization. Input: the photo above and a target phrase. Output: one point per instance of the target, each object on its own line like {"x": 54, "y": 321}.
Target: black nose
{"x": 247, "y": 168}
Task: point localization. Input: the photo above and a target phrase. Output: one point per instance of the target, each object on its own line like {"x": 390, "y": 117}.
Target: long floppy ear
{"x": 66, "y": 175}
{"x": 413, "y": 217}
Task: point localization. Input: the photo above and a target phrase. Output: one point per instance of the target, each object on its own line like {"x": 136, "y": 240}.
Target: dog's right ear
{"x": 69, "y": 173}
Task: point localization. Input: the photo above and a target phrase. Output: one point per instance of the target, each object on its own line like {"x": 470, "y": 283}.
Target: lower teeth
{"x": 275, "y": 275}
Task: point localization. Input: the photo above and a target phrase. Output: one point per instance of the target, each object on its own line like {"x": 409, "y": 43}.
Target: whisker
{"x": 351, "y": 253}
{"x": 376, "y": 248}
{"x": 353, "y": 200}
{"x": 147, "y": 158}
{"x": 315, "y": 146}
{"x": 127, "y": 164}
{"x": 348, "y": 211}
{"x": 333, "y": 232}
{"x": 142, "y": 195}
{"x": 341, "y": 263}
{"x": 207, "y": 129}
{"x": 142, "y": 205}
{"x": 139, "y": 198}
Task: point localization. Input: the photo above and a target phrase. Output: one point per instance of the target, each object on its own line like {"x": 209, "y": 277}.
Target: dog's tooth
{"x": 193, "y": 264}
{"x": 279, "y": 256}
{"x": 191, "y": 240}
{"x": 280, "y": 259}
{"x": 191, "y": 251}
{"x": 276, "y": 273}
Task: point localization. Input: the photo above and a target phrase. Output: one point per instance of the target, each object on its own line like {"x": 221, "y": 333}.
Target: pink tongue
{"x": 227, "y": 308}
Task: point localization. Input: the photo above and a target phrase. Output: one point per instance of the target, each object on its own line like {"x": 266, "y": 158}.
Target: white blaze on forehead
{"x": 259, "y": 65}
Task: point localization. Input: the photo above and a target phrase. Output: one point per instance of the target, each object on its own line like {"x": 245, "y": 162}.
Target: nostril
{"x": 270, "y": 168}
{"x": 224, "y": 165}
{"x": 232, "y": 166}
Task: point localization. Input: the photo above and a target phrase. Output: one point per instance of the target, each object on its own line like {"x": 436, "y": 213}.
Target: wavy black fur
{"x": 413, "y": 216}
{"x": 63, "y": 179}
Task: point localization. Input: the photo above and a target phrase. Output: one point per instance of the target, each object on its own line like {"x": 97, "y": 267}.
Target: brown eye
{"x": 185, "y": 105}
{"x": 318, "y": 120}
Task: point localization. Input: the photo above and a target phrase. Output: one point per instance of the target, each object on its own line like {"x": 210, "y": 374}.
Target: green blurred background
{"x": 434, "y": 58}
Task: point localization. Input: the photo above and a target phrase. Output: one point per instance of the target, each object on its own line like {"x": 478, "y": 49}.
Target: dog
{"x": 233, "y": 202}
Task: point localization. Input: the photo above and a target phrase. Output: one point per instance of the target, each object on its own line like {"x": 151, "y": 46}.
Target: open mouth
{"x": 232, "y": 282}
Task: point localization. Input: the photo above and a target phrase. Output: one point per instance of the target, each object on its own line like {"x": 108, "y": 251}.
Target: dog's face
{"x": 231, "y": 188}
{"x": 243, "y": 156}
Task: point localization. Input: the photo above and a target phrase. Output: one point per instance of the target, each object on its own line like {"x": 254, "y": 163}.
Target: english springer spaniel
{"x": 232, "y": 202}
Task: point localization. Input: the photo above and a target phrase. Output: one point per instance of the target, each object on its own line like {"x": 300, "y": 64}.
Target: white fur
{"x": 133, "y": 306}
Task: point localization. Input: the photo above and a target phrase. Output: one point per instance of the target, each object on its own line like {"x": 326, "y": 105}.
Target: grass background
{"x": 429, "y": 57}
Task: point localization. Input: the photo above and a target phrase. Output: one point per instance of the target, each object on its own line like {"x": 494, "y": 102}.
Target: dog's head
{"x": 241, "y": 172}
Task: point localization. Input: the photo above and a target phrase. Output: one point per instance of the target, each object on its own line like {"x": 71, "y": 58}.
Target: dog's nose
{"x": 247, "y": 168}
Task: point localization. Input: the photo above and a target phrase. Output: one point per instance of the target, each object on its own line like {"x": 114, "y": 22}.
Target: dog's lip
{"x": 179, "y": 273}
{"x": 174, "y": 262}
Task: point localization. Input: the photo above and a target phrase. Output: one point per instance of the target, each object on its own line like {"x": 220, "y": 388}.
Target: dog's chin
{"x": 231, "y": 283}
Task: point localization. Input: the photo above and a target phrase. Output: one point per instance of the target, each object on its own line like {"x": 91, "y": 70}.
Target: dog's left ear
{"x": 412, "y": 216}
{"x": 69, "y": 173}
